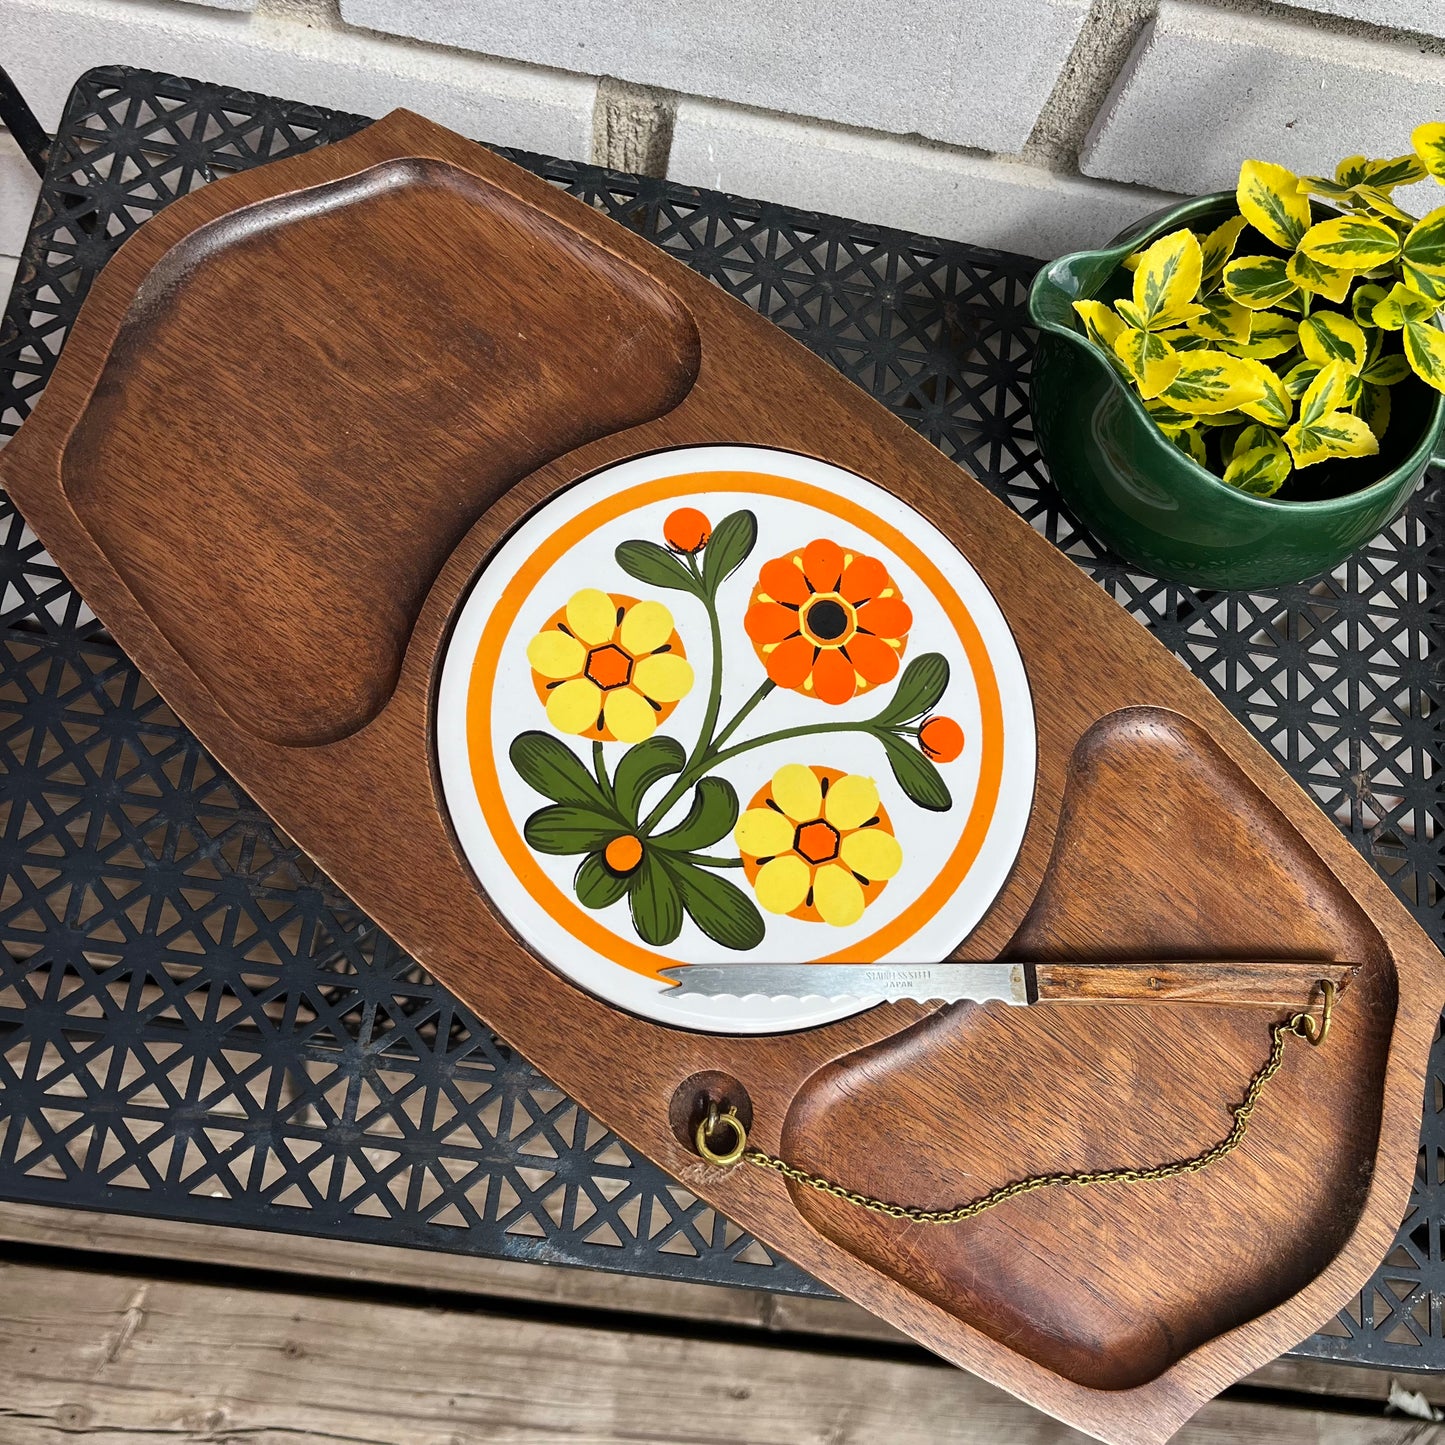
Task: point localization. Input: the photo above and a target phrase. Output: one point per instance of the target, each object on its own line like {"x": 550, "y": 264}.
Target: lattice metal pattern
{"x": 194, "y": 1022}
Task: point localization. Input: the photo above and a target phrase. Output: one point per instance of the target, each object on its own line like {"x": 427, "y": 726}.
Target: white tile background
{"x": 1034, "y": 125}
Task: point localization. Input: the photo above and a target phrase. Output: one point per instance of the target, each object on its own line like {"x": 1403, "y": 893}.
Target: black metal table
{"x": 195, "y": 1023}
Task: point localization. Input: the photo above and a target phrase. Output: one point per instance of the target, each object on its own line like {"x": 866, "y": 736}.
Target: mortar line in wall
{"x": 1105, "y": 42}
{"x": 1108, "y": 39}
{"x": 1327, "y": 23}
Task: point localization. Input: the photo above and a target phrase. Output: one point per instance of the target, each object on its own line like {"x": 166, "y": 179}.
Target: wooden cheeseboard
{"x": 299, "y": 584}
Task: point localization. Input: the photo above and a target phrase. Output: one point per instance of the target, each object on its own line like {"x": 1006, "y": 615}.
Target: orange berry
{"x": 941, "y": 739}
{"x": 687, "y": 530}
{"x": 623, "y": 854}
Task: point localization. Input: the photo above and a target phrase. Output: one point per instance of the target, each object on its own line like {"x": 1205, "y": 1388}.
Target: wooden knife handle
{"x": 1272, "y": 983}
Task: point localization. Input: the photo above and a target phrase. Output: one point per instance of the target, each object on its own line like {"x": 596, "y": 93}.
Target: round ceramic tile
{"x": 724, "y": 703}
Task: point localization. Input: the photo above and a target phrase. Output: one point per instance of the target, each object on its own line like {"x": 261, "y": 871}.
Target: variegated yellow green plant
{"x": 1271, "y": 343}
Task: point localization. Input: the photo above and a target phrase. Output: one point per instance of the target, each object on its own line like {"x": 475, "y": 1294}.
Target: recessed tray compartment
{"x": 1101, "y": 1285}
{"x": 287, "y": 532}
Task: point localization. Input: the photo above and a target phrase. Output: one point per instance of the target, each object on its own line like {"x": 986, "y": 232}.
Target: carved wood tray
{"x": 467, "y": 344}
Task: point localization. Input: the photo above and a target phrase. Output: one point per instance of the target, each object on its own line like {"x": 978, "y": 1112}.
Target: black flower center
{"x": 827, "y": 619}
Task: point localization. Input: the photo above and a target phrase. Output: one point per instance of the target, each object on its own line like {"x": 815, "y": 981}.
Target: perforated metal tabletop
{"x": 195, "y": 1023}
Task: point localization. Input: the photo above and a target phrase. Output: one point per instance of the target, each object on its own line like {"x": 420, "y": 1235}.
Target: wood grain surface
{"x": 1273, "y": 984}
{"x": 1180, "y": 1289}
{"x": 143, "y": 1245}
{"x": 107, "y": 1357}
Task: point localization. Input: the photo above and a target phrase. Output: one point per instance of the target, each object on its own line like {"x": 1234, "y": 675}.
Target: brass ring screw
{"x": 709, "y": 1127}
{"x": 1302, "y": 1025}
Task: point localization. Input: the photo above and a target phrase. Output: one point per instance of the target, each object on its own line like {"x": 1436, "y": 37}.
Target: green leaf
{"x": 918, "y": 778}
{"x": 1190, "y": 441}
{"x": 1223, "y": 320}
{"x": 555, "y": 771}
{"x": 1429, "y": 143}
{"x": 562, "y": 829}
{"x": 1149, "y": 360}
{"x": 1335, "y": 434}
{"x": 1425, "y": 348}
{"x": 1351, "y": 170}
{"x": 1271, "y": 335}
{"x": 1131, "y": 315}
{"x": 1298, "y": 378}
{"x": 1276, "y": 406}
{"x": 1330, "y": 389}
{"x": 719, "y": 908}
{"x": 1400, "y": 306}
{"x": 1378, "y": 203}
{"x": 1403, "y": 170}
{"x": 1374, "y": 408}
{"x": 1328, "y": 336}
{"x": 1311, "y": 275}
{"x": 1212, "y": 381}
{"x": 1167, "y": 279}
{"x": 1258, "y": 281}
{"x": 711, "y": 816}
{"x": 597, "y": 886}
{"x": 923, "y": 683}
{"x": 1261, "y": 466}
{"x": 1270, "y": 200}
{"x": 1182, "y": 339}
{"x": 653, "y": 564}
{"x": 1422, "y": 257}
{"x": 1101, "y": 324}
{"x": 1325, "y": 186}
{"x": 1362, "y": 303}
{"x": 1387, "y": 370}
{"x": 643, "y": 766}
{"x": 1426, "y": 282}
{"x": 1167, "y": 416}
{"x": 1248, "y": 437}
{"x": 656, "y": 901}
{"x": 1354, "y": 243}
{"x": 1218, "y": 246}
{"x": 728, "y": 548}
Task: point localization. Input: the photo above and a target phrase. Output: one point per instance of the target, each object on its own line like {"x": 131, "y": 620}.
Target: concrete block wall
{"x": 1033, "y": 125}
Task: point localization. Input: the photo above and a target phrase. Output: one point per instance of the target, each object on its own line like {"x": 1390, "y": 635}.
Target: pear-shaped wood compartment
{"x": 289, "y": 579}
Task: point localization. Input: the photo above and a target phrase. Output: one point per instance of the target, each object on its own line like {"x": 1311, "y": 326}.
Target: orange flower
{"x": 828, "y": 622}
{"x": 686, "y": 530}
{"x": 941, "y": 739}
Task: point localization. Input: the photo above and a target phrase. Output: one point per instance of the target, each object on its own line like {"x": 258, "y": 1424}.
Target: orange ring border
{"x": 481, "y": 755}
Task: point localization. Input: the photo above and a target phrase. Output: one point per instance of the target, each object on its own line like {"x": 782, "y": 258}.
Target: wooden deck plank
{"x": 118, "y": 1359}
{"x": 335, "y": 1261}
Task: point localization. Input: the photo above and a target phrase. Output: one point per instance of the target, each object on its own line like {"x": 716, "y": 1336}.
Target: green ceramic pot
{"x": 1158, "y": 507}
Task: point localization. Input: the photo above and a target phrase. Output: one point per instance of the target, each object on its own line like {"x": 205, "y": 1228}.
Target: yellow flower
{"x": 609, "y": 667}
{"x": 817, "y": 844}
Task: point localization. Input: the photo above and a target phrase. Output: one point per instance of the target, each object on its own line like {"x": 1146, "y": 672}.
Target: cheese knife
{"x": 1264, "y": 983}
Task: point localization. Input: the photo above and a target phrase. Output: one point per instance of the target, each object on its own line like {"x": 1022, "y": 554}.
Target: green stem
{"x": 690, "y": 773}
{"x": 743, "y": 711}
{"x": 700, "y": 749}
{"x": 714, "y": 701}
{"x": 707, "y": 860}
{"x": 807, "y": 730}
{"x": 599, "y": 769}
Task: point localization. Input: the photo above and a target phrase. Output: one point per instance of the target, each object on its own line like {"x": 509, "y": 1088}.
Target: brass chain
{"x": 1301, "y": 1025}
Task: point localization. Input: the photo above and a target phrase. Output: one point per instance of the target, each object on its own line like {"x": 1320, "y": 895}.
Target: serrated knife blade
{"x": 1273, "y": 983}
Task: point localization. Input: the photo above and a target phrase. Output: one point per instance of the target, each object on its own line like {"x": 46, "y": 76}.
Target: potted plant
{"x": 1244, "y": 388}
